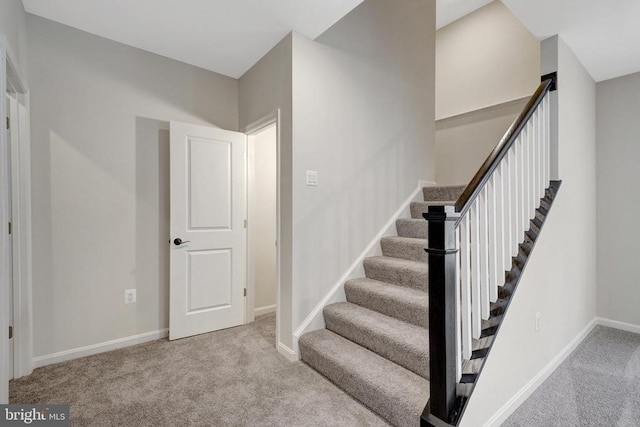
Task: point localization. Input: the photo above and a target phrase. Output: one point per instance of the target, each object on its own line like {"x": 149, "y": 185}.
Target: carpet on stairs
{"x": 375, "y": 345}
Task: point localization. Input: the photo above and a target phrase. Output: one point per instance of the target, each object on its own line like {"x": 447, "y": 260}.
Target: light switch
{"x": 312, "y": 178}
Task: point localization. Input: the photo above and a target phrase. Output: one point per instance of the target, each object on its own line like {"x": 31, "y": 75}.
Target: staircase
{"x": 376, "y": 344}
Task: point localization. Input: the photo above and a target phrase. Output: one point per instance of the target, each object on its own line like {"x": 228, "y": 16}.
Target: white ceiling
{"x": 225, "y": 36}
{"x": 604, "y": 35}
{"x": 229, "y": 36}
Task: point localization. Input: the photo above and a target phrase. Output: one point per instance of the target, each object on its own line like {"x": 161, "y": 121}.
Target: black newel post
{"x": 442, "y": 315}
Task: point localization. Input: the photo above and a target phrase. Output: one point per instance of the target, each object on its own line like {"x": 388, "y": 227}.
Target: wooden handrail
{"x": 481, "y": 177}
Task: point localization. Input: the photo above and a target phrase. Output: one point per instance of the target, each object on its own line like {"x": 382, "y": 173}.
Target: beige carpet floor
{"x": 233, "y": 377}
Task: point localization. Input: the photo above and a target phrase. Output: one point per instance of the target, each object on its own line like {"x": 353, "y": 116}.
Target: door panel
{"x": 210, "y": 178}
{"x": 208, "y": 208}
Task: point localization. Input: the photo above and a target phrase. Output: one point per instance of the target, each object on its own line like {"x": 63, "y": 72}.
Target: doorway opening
{"x": 263, "y": 223}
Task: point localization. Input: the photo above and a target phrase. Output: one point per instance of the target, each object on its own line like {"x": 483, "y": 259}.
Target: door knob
{"x": 178, "y": 241}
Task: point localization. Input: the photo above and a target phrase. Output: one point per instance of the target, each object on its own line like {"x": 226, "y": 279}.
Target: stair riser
{"x": 414, "y": 314}
{"x": 415, "y": 229}
{"x": 411, "y": 359}
{"x": 418, "y": 208}
{"x": 413, "y": 251}
{"x": 397, "y": 276}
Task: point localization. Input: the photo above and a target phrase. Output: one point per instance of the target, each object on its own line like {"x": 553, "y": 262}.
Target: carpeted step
{"x": 394, "y": 393}
{"x": 418, "y": 208}
{"x": 406, "y": 304}
{"x": 404, "y": 247}
{"x": 412, "y": 227}
{"x": 402, "y": 272}
{"x": 451, "y": 192}
{"x": 400, "y": 342}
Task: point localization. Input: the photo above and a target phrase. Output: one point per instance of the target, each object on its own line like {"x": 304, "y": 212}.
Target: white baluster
{"x": 502, "y": 226}
{"x": 532, "y": 168}
{"x": 538, "y": 168}
{"x": 476, "y": 312}
{"x": 465, "y": 285}
{"x": 514, "y": 202}
{"x": 526, "y": 175}
{"x": 493, "y": 237}
{"x": 458, "y": 309}
{"x": 547, "y": 137}
{"x": 506, "y": 191}
{"x": 484, "y": 253}
{"x": 522, "y": 200}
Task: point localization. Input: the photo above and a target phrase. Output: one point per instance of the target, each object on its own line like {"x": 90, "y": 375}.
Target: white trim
{"x": 289, "y": 354}
{"x": 315, "y": 320}
{"x": 259, "y": 311}
{"x": 90, "y": 350}
{"x": 262, "y": 122}
{"x": 526, "y": 391}
{"x": 4, "y": 247}
{"x": 609, "y": 323}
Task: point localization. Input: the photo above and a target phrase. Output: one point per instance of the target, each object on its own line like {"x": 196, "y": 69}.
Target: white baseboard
{"x": 291, "y": 355}
{"x": 90, "y": 350}
{"x": 315, "y": 320}
{"x": 265, "y": 310}
{"x": 629, "y": 327}
{"x": 526, "y": 391}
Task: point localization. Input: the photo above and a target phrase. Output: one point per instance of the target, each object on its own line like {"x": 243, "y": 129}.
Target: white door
{"x": 207, "y": 224}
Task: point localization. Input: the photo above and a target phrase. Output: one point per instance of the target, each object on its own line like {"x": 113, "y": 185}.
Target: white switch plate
{"x": 537, "y": 321}
{"x": 130, "y": 296}
{"x": 312, "y": 178}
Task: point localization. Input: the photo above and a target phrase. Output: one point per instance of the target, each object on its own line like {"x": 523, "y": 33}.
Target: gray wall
{"x": 262, "y": 174}
{"x": 13, "y": 29}
{"x": 13, "y": 25}
{"x": 463, "y": 142}
{"x": 618, "y": 198}
{"x": 363, "y": 108}
{"x": 560, "y": 279}
{"x": 266, "y": 87}
{"x": 100, "y": 170}
{"x": 483, "y": 59}
{"x": 485, "y": 62}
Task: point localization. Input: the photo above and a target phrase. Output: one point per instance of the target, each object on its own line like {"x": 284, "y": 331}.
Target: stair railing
{"x": 471, "y": 246}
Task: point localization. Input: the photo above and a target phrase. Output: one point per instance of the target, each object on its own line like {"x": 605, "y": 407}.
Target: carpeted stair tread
{"x": 418, "y": 208}
{"x": 402, "y": 272}
{"x": 404, "y": 247}
{"x": 412, "y": 227}
{"x": 400, "y": 342}
{"x": 396, "y": 394}
{"x": 406, "y": 304}
{"x": 448, "y": 192}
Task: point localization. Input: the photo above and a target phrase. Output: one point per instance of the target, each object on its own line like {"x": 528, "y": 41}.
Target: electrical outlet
{"x": 537, "y": 321}
{"x": 312, "y": 178}
{"x": 130, "y": 296}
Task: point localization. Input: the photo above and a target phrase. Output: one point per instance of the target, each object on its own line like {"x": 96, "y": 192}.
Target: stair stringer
{"x": 315, "y": 319}
{"x": 472, "y": 369}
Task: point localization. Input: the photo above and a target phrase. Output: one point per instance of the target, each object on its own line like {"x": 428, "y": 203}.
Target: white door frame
{"x": 11, "y": 80}
{"x": 252, "y": 129}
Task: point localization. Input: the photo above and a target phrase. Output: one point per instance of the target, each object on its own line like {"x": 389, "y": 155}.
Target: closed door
{"x": 208, "y": 234}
